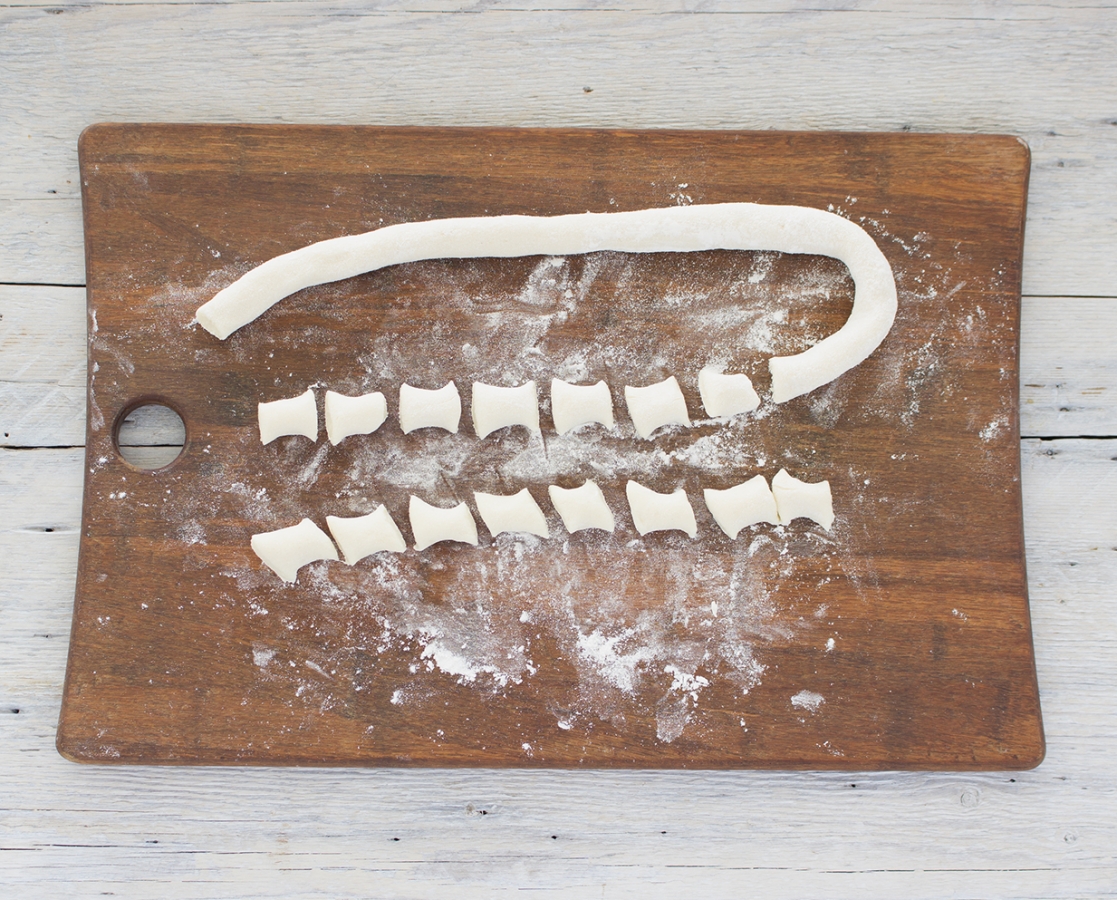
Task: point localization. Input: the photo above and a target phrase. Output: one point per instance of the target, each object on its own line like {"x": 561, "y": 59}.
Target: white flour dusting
{"x": 261, "y": 656}
{"x": 808, "y": 700}
{"x": 616, "y": 667}
{"x": 648, "y": 626}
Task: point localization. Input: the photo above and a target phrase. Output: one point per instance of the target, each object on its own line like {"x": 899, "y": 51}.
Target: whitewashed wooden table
{"x": 1045, "y": 71}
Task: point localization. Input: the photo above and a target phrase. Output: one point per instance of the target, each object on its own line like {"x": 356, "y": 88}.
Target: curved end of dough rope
{"x": 717, "y": 226}
{"x": 874, "y": 311}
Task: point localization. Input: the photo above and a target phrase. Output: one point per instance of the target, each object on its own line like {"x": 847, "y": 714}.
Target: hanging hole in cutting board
{"x": 149, "y": 434}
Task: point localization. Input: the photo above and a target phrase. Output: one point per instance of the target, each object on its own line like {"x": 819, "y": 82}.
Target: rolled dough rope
{"x": 652, "y": 511}
{"x": 795, "y": 499}
{"x": 743, "y": 505}
{"x": 656, "y": 405}
{"x": 494, "y": 408}
{"x": 718, "y": 226}
{"x": 582, "y": 507}
{"x": 726, "y": 395}
{"x": 361, "y": 536}
{"x": 574, "y": 405}
{"x": 513, "y": 513}
{"x": 295, "y": 415}
{"x": 287, "y": 550}
{"x": 432, "y": 524}
{"x": 420, "y": 408}
{"x": 347, "y": 416}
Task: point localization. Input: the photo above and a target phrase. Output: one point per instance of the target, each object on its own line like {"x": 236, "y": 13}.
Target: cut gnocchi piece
{"x": 287, "y": 550}
{"x": 420, "y": 408}
{"x": 512, "y": 513}
{"x": 361, "y": 536}
{"x": 742, "y": 505}
{"x": 294, "y": 415}
{"x": 574, "y": 405}
{"x": 800, "y": 499}
{"x": 502, "y": 407}
{"x": 726, "y": 395}
{"x": 433, "y": 524}
{"x": 652, "y": 511}
{"x": 656, "y": 405}
{"x": 346, "y": 416}
{"x": 582, "y": 507}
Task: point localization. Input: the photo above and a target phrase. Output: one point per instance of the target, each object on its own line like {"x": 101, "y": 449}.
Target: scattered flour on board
{"x": 261, "y": 656}
{"x": 618, "y": 668}
{"x": 994, "y": 429}
{"x": 502, "y": 605}
{"x": 808, "y": 700}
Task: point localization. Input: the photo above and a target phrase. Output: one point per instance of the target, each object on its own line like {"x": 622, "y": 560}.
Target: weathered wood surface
{"x": 1039, "y": 70}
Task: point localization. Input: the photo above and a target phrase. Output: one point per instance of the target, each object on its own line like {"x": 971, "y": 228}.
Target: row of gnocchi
{"x": 286, "y": 550}
{"x": 493, "y": 408}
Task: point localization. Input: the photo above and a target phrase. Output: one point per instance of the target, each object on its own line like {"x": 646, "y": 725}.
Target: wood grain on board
{"x": 900, "y": 640}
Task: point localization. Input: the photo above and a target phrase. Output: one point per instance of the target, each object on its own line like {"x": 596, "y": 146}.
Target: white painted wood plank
{"x": 42, "y": 335}
{"x": 1070, "y": 530}
{"x": 42, "y": 366}
{"x": 137, "y": 832}
{"x": 1040, "y": 10}
{"x": 41, "y": 415}
{"x": 1042, "y": 72}
{"x": 1067, "y": 364}
{"x": 41, "y": 241}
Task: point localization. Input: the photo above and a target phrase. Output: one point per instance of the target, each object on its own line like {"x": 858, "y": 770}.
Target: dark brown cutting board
{"x": 901, "y": 639}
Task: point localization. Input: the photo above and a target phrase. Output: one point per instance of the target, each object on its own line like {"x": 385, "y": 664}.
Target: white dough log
{"x": 652, "y": 511}
{"x": 582, "y": 507}
{"x": 433, "y": 524}
{"x": 656, "y": 405}
{"x": 717, "y": 226}
{"x": 726, "y": 395}
{"x": 742, "y": 505}
{"x": 361, "y": 536}
{"x": 347, "y": 416}
{"x": 295, "y": 415}
{"x": 795, "y": 499}
{"x": 287, "y": 550}
{"x": 501, "y": 407}
{"x": 420, "y": 408}
{"x": 574, "y": 405}
{"x": 512, "y": 512}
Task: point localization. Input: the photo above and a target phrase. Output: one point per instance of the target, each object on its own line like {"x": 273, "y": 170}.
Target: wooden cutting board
{"x": 900, "y": 639}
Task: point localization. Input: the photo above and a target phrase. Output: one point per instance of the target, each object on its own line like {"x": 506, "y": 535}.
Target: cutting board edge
{"x": 70, "y": 749}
